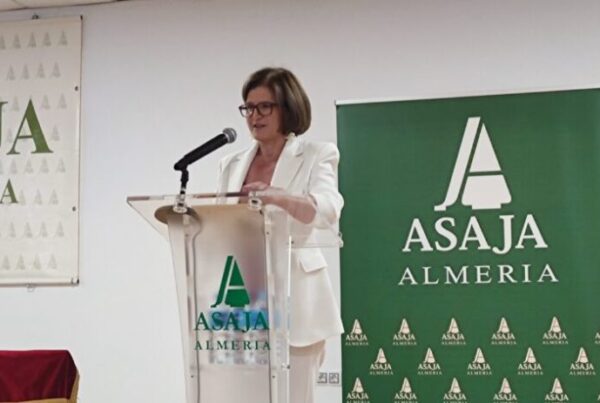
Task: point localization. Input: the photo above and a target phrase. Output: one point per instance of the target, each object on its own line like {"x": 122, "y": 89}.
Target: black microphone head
{"x": 230, "y": 134}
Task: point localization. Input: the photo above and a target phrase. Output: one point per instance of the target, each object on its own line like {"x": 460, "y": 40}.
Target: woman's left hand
{"x": 302, "y": 208}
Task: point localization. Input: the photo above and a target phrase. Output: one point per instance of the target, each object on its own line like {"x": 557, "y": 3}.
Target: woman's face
{"x": 265, "y": 120}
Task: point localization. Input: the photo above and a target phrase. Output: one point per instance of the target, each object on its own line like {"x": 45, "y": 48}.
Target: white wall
{"x": 160, "y": 77}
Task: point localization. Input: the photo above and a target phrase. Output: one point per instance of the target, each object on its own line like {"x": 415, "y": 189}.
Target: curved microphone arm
{"x": 227, "y": 136}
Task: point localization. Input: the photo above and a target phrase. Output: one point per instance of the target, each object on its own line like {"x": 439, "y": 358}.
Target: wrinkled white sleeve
{"x": 322, "y": 187}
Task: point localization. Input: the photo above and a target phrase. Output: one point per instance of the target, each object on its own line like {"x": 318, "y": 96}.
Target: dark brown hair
{"x": 289, "y": 95}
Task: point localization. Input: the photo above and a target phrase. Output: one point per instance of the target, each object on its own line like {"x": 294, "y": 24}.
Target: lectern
{"x": 231, "y": 258}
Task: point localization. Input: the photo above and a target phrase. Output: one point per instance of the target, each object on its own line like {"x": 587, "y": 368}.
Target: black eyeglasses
{"x": 263, "y": 108}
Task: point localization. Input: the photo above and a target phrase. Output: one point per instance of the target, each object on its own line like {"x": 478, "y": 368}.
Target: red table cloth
{"x": 48, "y": 376}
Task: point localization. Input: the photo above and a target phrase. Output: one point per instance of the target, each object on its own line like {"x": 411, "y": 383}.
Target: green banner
{"x": 471, "y": 266}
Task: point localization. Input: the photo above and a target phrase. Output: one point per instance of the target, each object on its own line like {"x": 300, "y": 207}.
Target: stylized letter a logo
{"x": 476, "y": 172}
{"x": 232, "y": 288}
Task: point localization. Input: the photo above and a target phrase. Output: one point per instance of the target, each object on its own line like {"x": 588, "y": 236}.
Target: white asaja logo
{"x": 582, "y": 366}
{"x": 358, "y": 387}
{"x": 453, "y": 337}
{"x": 358, "y": 393}
{"x": 555, "y": 335}
{"x": 557, "y": 394}
{"x": 530, "y": 366}
{"x": 455, "y": 394}
{"x": 503, "y": 335}
{"x": 381, "y": 366}
{"x": 597, "y": 339}
{"x": 406, "y": 394}
{"x": 357, "y": 336}
{"x": 357, "y": 328}
{"x": 404, "y": 337}
{"x": 479, "y": 366}
{"x": 429, "y": 366}
{"x": 476, "y": 172}
{"x": 505, "y": 394}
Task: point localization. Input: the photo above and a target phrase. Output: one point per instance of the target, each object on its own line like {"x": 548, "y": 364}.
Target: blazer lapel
{"x": 239, "y": 169}
{"x": 289, "y": 163}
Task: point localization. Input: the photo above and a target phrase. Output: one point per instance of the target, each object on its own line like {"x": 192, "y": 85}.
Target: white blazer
{"x": 304, "y": 168}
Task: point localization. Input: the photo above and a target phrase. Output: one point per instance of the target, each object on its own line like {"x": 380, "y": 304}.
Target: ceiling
{"x": 6, "y": 5}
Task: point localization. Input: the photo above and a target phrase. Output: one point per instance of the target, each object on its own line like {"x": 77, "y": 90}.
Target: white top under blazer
{"x": 304, "y": 167}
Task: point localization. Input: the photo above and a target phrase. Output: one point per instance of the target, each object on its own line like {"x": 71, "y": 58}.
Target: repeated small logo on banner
{"x": 530, "y": 366}
{"x": 555, "y": 335}
{"x": 406, "y": 394}
{"x": 503, "y": 336}
{"x": 597, "y": 339}
{"x": 505, "y": 394}
{"x": 453, "y": 336}
{"x": 357, "y": 336}
{"x": 455, "y": 394}
{"x": 429, "y": 366}
{"x": 358, "y": 393}
{"x": 557, "y": 394}
{"x": 582, "y": 365}
{"x": 479, "y": 366}
{"x": 404, "y": 336}
{"x": 381, "y": 366}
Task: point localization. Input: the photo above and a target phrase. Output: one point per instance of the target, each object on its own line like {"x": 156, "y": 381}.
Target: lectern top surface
{"x": 156, "y": 209}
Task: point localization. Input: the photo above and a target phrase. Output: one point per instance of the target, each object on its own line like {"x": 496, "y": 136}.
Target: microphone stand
{"x": 180, "y": 206}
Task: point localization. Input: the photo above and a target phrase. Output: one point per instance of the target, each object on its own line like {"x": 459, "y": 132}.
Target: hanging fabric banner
{"x": 40, "y": 75}
{"x": 470, "y": 267}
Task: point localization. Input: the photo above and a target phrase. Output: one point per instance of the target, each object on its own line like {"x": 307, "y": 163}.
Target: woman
{"x": 303, "y": 176}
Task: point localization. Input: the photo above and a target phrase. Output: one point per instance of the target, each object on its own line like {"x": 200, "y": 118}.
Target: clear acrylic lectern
{"x": 231, "y": 258}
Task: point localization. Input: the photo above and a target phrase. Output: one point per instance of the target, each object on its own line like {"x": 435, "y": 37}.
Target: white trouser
{"x": 304, "y": 369}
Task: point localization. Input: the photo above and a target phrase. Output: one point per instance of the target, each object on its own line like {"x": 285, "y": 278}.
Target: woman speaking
{"x": 300, "y": 176}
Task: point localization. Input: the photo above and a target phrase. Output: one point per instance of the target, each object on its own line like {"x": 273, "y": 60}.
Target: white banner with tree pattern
{"x": 40, "y": 76}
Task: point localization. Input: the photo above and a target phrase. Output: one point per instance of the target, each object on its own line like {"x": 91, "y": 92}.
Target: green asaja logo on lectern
{"x": 229, "y": 311}
{"x": 232, "y": 288}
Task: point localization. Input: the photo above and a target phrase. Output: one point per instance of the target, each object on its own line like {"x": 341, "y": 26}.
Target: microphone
{"x": 228, "y": 136}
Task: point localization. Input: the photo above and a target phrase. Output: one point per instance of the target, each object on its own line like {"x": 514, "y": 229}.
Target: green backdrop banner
{"x": 471, "y": 266}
